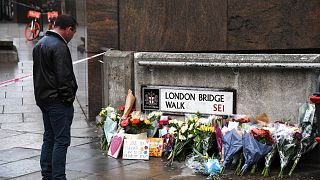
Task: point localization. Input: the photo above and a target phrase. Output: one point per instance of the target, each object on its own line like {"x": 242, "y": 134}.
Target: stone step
{"x": 8, "y": 52}
{"x": 6, "y": 42}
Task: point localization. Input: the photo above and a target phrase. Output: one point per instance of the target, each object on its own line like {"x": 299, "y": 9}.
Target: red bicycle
{"x": 32, "y": 29}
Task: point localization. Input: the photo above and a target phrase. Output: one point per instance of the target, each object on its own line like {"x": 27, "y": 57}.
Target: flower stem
{"x": 253, "y": 170}
{"x": 280, "y": 173}
{"x": 294, "y": 166}
{"x": 263, "y": 171}
{"x": 222, "y": 170}
{"x": 239, "y": 165}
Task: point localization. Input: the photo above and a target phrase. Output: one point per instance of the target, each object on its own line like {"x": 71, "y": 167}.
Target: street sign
{"x": 181, "y": 100}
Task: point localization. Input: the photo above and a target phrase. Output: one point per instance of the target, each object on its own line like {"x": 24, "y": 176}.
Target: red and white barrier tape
{"x": 11, "y": 81}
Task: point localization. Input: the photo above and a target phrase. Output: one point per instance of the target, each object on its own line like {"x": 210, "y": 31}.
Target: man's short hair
{"x": 64, "y": 21}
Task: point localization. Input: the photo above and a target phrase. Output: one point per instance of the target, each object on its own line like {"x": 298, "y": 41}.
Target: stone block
{"x": 118, "y": 77}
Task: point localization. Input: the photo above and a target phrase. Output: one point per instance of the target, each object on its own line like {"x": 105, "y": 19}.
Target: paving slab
{"x": 98, "y": 164}
{"x": 18, "y": 153}
{"x": 22, "y": 140}
{"x": 83, "y": 133}
{"x": 76, "y": 154}
{"x": 19, "y": 168}
{"x": 92, "y": 145}
{"x": 71, "y": 175}
{"x": 80, "y": 141}
{"x": 18, "y": 94}
{"x": 8, "y": 133}
{"x": 21, "y": 108}
{"x": 32, "y": 117}
{"x": 29, "y": 100}
{"x": 24, "y": 127}
{"x": 11, "y": 101}
{"x": 11, "y": 118}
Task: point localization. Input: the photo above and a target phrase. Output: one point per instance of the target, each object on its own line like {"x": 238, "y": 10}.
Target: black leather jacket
{"x": 53, "y": 76}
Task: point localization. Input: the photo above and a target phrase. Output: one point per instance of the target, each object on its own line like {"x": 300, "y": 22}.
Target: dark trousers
{"x": 57, "y": 120}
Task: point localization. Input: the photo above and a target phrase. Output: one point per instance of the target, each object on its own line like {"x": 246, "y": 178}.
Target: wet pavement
{"x": 21, "y": 131}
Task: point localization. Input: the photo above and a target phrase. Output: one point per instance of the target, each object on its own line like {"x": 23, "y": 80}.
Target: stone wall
{"x": 274, "y": 84}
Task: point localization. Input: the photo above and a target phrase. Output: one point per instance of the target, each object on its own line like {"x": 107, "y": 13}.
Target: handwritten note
{"x": 136, "y": 149}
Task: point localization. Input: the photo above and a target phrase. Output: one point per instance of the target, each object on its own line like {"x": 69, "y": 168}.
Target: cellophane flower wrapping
{"x": 136, "y": 123}
{"x": 192, "y": 133}
{"x": 203, "y": 165}
{"x": 183, "y": 135}
{"x": 253, "y": 151}
{"x": 286, "y": 145}
{"x": 108, "y": 121}
{"x": 308, "y": 132}
{"x": 269, "y": 159}
{"x": 203, "y": 135}
{"x": 154, "y": 118}
{"x": 232, "y": 144}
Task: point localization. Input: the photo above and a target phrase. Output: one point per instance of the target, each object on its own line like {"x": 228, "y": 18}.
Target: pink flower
{"x": 124, "y": 122}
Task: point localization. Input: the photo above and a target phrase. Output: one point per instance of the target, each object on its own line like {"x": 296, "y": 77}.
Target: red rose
{"x": 317, "y": 139}
{"x": 163, "y": 121}
{"x": 121, "y": 108}
{"x": 135, "y": 121}
{"x": 125, "y": 123}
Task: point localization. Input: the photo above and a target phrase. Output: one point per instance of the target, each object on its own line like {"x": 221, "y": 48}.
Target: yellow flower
{"x": 147, "y": 122}
{"x": 206, "y": 156}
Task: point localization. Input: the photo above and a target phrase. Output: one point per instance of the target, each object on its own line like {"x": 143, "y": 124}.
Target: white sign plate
{"x": 196, "y": 100}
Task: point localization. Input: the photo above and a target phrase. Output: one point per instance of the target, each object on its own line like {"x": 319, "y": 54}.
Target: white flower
{"x": 180, "y": 123}
{"x": 173, "y": 121}
{"x": 205, "y": 121}
{"x": 182, "y": 137}
{"x": 184, "y": 128}
{"x": 155, "y": 114}
{"x": 172, "y": 130}
{"x": 113, "y": 116}
{"x": 213, "y": 117}
{"x": 110, "y": 109}
{"x": 191, "y": 127}
{"x": 190, "y": 136}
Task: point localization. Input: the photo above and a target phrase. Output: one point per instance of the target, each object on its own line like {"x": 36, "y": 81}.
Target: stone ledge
{"x": 9, "y": 56}
{"x": 230, "y": 58}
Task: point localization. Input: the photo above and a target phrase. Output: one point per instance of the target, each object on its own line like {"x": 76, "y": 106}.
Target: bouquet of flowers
{"x": 307, "y": 142}
{"x": 136, "y": 123}
{"x": 204, "y": 135}
{"x": 183, "y": 132}
{"x": 268, "y": 160}
{"x": 108, "y": 121}
{"x": 204, "y": 165}
{"x": 154, "y": 118}
{"x": 232, "y": 144}
{"x": 287, "y": 141}
{"x": 254, "y": 147}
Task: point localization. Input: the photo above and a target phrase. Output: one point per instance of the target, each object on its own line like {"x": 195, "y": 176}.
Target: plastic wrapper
{"x": 196, "y": 163}
{"x": 253, "y": 151}
{"x": 129, "y": 103}
{"x": 201, "y": 165}
{"x": 268, "y": 160}
{"x": 232, "y": 144}
{"x": 212, "y": 166}
{"x": 286, "y": 148}
{"x": 307, "y": 143}
{"x": 110, "y": 128}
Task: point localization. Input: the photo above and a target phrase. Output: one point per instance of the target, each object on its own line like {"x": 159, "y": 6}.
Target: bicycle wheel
{"x": 30, "y": 32}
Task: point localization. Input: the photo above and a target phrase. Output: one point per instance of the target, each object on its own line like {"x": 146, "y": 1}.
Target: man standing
{"x": 55, "y": 88}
